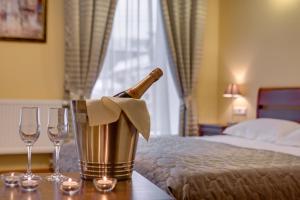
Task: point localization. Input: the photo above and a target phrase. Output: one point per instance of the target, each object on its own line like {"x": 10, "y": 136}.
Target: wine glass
{"x": 29, "y": 130}
{"x": 57, "y": 132}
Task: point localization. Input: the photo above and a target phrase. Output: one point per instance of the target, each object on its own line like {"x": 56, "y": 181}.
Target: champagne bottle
{"x": 140, "y": 88}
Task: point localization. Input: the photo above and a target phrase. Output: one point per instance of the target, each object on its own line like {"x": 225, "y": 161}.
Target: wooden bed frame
{"x": 279, "y": 103}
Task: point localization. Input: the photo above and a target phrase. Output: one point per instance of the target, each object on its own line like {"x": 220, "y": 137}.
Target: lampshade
{"x": 232, "y": 91}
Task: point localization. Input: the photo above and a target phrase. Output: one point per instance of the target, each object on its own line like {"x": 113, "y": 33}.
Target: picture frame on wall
{"x": 23, "y": 20}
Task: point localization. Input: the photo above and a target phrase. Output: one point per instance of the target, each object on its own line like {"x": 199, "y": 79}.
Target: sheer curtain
{"x": 137, "y": 45}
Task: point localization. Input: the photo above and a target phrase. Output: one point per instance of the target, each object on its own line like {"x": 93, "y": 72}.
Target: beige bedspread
{"x": 190, "y": 168}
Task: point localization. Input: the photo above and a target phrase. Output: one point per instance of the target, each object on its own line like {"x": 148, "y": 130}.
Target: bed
{"x": 257, "y": 159}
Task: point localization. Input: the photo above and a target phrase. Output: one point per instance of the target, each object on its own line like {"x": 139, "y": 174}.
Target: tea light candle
{"x": 70, "y": 186}
{"x": 104, "y": 181}
{"x": 29, "y": 184}
{"x": 11, "y": 180}
{"x": 105, "y": 184}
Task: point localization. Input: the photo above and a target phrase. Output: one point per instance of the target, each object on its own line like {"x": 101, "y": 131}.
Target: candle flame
{"x": 69, "y": 180}
{"x": 104, "y": 178}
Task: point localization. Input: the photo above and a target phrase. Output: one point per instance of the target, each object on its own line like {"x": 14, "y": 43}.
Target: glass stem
{"x": 29, "y": 159}
{"x": 57, "y": 149}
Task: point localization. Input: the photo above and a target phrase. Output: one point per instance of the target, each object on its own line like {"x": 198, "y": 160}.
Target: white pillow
{"x": 262, "y": 129}
{"x": 291, "y": 139}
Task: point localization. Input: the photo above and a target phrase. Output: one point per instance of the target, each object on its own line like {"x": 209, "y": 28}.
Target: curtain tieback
{"x": 77, "y": 95}
{"x": 188, "y": 101}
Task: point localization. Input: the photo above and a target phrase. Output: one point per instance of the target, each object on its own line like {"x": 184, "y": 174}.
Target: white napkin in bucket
{"x": 108, "y": 109}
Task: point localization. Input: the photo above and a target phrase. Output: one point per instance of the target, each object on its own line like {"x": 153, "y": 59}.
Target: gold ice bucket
{"x": 107, "y": 149}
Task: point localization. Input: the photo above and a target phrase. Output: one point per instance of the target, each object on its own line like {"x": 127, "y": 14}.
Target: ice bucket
{"x": 107, "y": 149}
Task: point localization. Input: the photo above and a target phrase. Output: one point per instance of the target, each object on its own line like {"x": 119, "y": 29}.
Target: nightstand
{"x": 211, "y": 129}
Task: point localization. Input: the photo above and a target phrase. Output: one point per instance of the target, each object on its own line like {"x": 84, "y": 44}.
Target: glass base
{"x": 31, "y": 175}
{"x": 55, "y": 177}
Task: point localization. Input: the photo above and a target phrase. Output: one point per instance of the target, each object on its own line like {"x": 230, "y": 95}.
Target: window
{"x": 137, "y": 45}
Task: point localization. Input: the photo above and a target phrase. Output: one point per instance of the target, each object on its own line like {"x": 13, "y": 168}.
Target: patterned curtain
{"x": 88, "y": 24}
{"x": 184, "y": 23}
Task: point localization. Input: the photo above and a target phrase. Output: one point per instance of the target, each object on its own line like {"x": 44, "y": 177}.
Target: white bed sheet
{"x": 253, "y": 144}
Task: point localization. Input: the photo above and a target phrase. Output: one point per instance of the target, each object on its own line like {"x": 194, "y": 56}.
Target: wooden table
{"x": 138, "y": 188}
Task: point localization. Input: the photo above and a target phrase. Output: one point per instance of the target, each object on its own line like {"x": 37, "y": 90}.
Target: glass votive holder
{"x": 105, "y": 184}
{"x": 29, "y": 184}
{"x": 11, "y": 179}
{"x": 70, "y": 186}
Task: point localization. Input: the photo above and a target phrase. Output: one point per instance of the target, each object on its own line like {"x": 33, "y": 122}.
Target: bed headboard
{"x": 279, "y": 103}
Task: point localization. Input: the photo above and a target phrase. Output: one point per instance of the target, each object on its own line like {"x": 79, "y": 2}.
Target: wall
{"x": 18, "y": 162}
{"x": 207, "y": 95}
{"x": 35, "y": 70}
{"x": 259, "y": 47}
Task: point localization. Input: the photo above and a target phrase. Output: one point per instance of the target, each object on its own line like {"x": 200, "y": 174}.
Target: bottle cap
{"x": 156, "y": 73}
